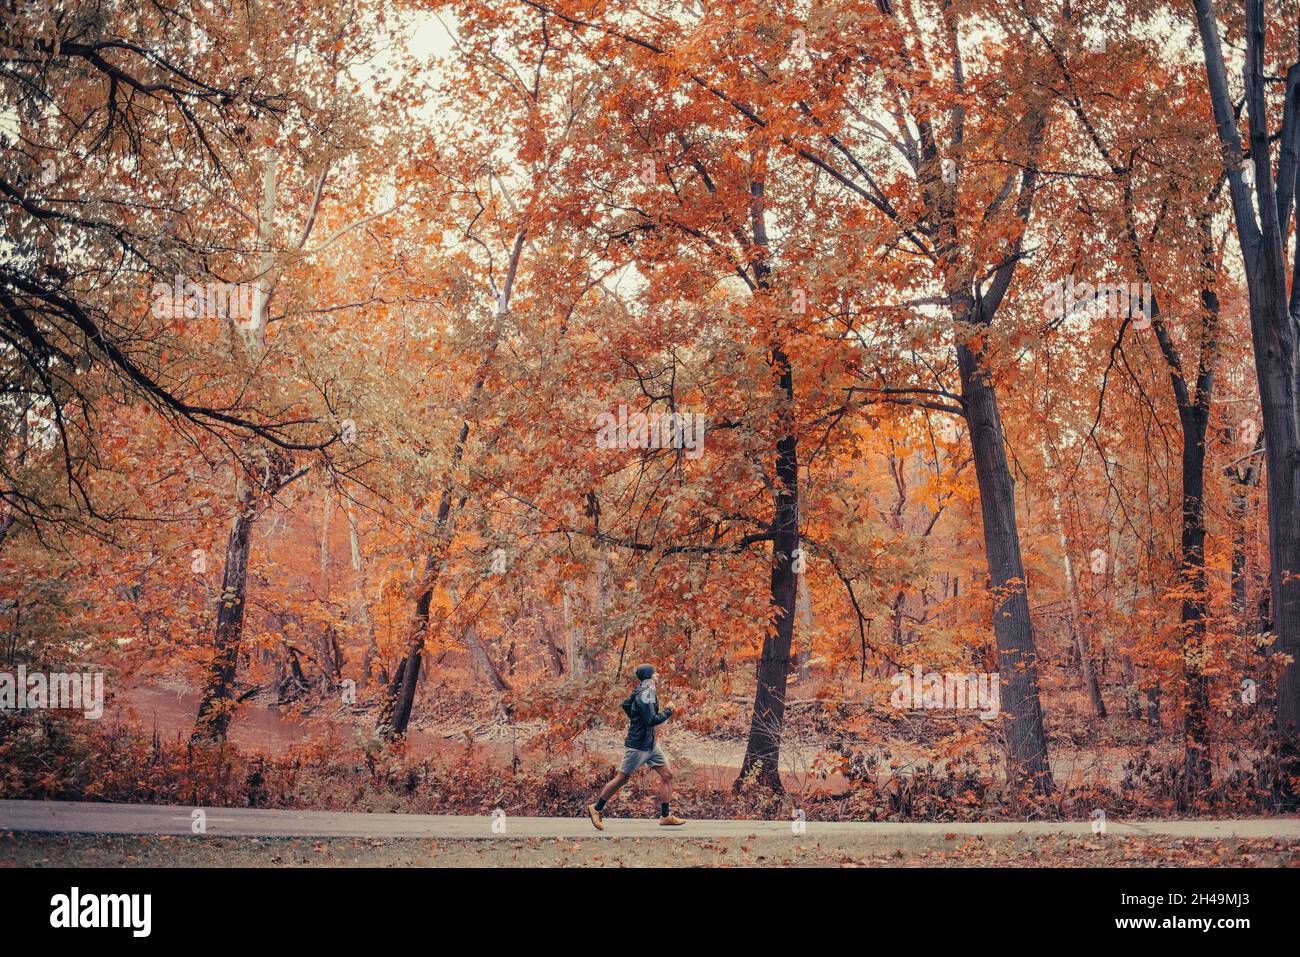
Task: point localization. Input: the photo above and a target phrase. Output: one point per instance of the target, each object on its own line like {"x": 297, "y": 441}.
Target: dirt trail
{"x": 261, "y": 729}
{"x": 714, "y": 763}
{"x": 34, "y": 849}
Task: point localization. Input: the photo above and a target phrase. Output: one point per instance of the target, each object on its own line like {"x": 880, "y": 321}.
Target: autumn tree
{"x": 1263, "y": 205}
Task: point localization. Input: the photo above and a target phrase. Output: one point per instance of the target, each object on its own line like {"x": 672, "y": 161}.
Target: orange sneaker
{"x": 671, "y": 820}
{"x": 597, "y": 818}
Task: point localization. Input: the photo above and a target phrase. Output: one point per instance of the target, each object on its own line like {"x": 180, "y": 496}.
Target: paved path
{"x": 76, "y": 817}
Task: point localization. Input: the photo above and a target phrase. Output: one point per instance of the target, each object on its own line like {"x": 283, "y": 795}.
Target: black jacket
{"x": 642, "y": 710}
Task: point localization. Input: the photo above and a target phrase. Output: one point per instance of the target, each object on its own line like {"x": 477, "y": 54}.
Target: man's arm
{"x": 650, "y": 713}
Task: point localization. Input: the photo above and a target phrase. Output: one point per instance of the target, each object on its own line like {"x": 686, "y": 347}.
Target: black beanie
{"x": 644, "y": 671}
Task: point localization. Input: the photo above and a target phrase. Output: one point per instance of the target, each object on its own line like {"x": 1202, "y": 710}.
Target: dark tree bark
{"x": 1193, "y": 418}
{"x": 973, "y": 309}
{"x": 251, "y": 494}
{"x": 1012, "y": 627}
{"x": 1244, "y": 479}
{"x": 974, "y": 306}
{"x": 768, "y": 719}
{"x": 217, "y": 705}
{"x": 399, "y": 700}
{"x": 1274, "y": 317}
{"x": 554, "y": 653}
{"x": 763, "y": 749}
{"x": 1196, "y": 764}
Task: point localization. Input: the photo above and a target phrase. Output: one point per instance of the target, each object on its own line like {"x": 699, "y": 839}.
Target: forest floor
{"x": 712, "y": 760}
{"x": 868, "y": 850}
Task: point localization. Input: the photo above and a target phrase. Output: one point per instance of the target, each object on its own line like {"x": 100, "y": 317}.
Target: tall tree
{"x": 1263, "y": 224}
{"x": 812, "y": 117}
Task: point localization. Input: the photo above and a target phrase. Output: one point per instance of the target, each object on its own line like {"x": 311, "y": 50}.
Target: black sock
{"x": 600, "y": 804}
{"x": 663, "y": 809}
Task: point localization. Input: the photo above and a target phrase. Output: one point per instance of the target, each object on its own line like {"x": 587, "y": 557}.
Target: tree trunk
{"x": 1196, "y": 761}
{"x": 1239, "y": 565}
{"x": 1250, "y": 623}
{"x": 1012, "y": 627}
{"x": 768, "y": 719}
{"x": 1278, "y": 396}
{"x": 217, "y": 706}
{"x": 763, "y": 750}
{"x": 479, "y": 654}
{"x": 361, "y": 606}
{"x": 556, "y": 654}
{"x": 1087, "y": 672}
{"x": 804, "y": 620}
{"x": 896, "y": 619}
{"x": 395, "y": 714}
{"x": 1262, "y": 237}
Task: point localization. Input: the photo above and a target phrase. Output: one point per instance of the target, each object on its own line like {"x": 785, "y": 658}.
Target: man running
{"x": 642, "y": 710}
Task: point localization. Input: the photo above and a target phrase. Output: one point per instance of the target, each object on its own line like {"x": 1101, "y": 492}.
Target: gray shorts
{"x": 633, "y": 759}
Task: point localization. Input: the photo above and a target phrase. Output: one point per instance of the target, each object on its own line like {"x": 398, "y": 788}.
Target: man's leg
{"x": 596, "y": 811}
{"x": 612, "y": 788}
{"x": 666, "y": 795}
